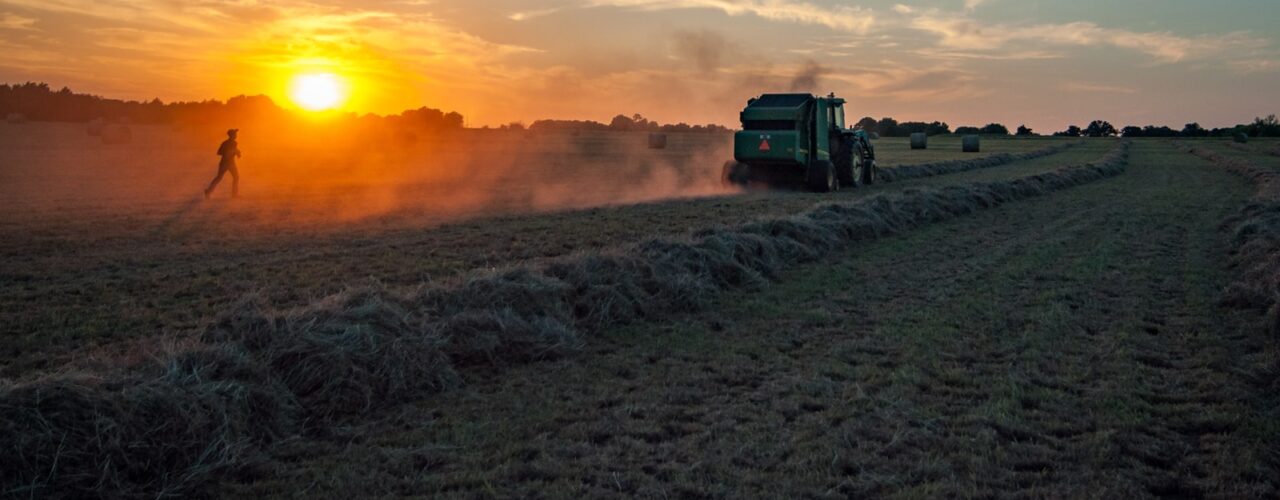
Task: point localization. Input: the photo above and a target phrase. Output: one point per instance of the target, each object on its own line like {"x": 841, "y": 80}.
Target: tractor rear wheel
{"x": 821, "y": 177}
{"x": 735, "y": 174}
{"x": 869, "y": 172}
{"x": 846, "y": 166}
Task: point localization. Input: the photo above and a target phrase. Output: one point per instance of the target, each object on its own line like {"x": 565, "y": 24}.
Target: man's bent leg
{"x": 215, "y": 182}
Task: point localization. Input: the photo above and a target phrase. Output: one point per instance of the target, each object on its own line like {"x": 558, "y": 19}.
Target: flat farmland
{"x": 1069, "y": 346}
{"x": 1048, "y": 326}
{"x": 128, "y": 250}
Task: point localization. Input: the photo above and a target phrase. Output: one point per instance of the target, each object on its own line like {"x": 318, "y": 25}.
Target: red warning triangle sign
{"x": 764, "y": 145}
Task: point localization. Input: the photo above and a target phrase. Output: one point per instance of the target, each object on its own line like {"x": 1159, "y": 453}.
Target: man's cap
{"x": 232, "y": 131}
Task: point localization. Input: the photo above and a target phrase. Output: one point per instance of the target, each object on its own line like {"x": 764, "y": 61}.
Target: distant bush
{"x": 622, "y": 123}
{"x": 1072, "y": 131}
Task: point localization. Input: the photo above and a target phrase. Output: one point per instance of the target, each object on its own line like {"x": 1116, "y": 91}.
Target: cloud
{"x": 533, "y": 14}
{"x": 842, "y": 18}
{"x": 972, "y": 5}
{"x": 15, "y": 22}
{"x": 1095, "y": 88}
{"x": 933, "y": 85}
{"x": 1250, "y": 65}
{"x": 968, "y": 34}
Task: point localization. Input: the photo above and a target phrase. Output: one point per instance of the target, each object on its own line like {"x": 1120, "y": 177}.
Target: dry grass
{"x": 118, "y": 270}
{"x": 952, "y": 166}
{"x": 1064, "y": 346}
{"x": 1256, "y": 236}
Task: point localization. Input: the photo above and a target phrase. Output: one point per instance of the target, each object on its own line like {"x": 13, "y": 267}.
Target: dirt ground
{"x": 1068, "y": 346}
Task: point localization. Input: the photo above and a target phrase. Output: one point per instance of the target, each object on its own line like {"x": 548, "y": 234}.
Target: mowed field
{"x": 1060, "y": 342}
{"x": 103, "y": 244}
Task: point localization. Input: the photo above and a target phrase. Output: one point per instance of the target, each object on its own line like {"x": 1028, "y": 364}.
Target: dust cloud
{"x": 807, "y": 79}
{"x": 55, "y": 173}
{"x": 705, "y": 48}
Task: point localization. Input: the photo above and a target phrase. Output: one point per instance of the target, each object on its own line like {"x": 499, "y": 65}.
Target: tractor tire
{"x": 869, "y": 172}
{"x": 821, "y": 177}
{"x": 846, "y": 171}
{"x": 735, "y": 174}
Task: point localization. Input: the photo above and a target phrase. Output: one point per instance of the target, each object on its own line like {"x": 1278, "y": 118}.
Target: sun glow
{"x": 318, "y": 91}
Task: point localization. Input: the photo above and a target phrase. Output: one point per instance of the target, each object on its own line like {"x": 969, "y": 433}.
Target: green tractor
{"x": 799, "y": 139}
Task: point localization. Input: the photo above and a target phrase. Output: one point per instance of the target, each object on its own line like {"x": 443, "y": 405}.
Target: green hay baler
{"x": 799, "y": 139}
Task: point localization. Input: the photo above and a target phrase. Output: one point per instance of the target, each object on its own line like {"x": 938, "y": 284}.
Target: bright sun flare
{"x": 317, "y": 91}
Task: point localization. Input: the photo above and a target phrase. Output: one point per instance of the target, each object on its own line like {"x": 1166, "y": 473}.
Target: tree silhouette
{"x": 1194, "y": 130}
{"x": 867, "y": 124}
{"x": 995, "y": 129}
{"x": 887, "y": 127}
{"x": 1023, "y": 131}
{"x": 1100, "y": 128}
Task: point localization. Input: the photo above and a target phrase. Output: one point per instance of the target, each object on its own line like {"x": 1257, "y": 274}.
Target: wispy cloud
{"x": 972, "y": 5}
{"x": 533, "y": 14}
{"x": 1163, "y": 47}
{"x": 15, "y": 22}
{"x": 1095, "y": 88}
{"x": 843, "y": 18}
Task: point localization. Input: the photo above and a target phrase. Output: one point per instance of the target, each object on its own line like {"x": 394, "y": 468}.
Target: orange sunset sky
{"x": 968, "y": 62}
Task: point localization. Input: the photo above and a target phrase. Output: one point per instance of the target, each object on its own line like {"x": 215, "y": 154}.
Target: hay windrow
{"x": 904, "y": 172}
{"x": 1270, "y": 151}
{"x": 1255, "y": 232}
{"x": 1256, "y": 236}
{"x": 174, "y": 425}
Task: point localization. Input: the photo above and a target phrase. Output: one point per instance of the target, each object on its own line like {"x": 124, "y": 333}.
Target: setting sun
{"x": 318, "y": 91}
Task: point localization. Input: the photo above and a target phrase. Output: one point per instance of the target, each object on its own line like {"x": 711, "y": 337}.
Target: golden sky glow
{"x": 968, "y": 62}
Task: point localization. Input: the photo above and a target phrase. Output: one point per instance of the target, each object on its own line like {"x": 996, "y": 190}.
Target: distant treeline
{"x": 620, "y": 123}
{"x": 888, "y": 127}
{"x": 38, "y": 102}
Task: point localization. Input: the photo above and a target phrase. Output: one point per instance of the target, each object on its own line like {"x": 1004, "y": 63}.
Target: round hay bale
{"x": 970, "y": 144}
{"x": 95, "y": 127}
{"x": 919, "y": 140}
{"x": 657, "y": 141}
{"x": 116, "y": 134}
{"x": 16, "y": 118}
{"x": 1241, "y": 138}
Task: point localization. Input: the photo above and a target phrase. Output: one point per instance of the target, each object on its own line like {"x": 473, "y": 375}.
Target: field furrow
{"x": 1069, "y": 346}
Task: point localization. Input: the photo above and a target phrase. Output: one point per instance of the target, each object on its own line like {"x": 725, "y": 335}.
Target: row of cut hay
{"x": 1256, "y": 260}
{"x": 1256, "y": 236}
{"x": 1250, "y": 149}
{"x": 905, "y": 172}
{"x": 260, "y": 374}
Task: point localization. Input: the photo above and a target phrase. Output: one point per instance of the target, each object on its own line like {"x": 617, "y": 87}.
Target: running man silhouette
{"x": 229, "y": 151}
